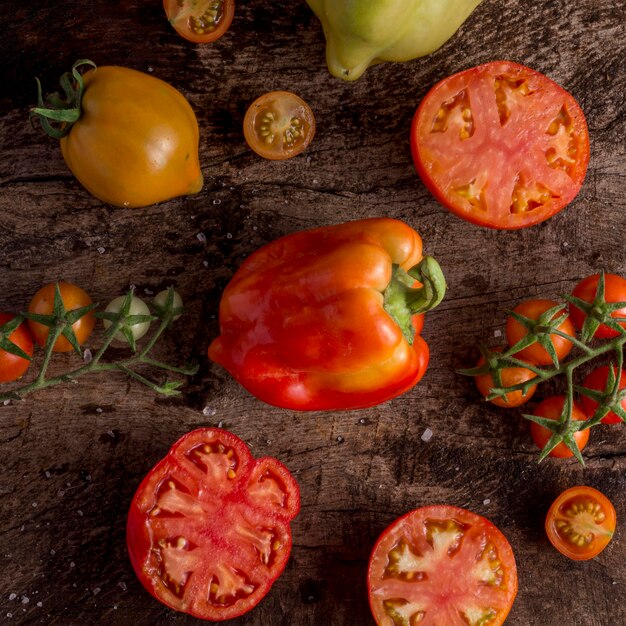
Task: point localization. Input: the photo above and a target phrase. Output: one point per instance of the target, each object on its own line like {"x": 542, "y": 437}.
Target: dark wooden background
{"x": 72, "y": 456}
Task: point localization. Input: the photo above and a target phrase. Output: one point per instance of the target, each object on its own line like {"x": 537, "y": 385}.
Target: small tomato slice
{"x": 14, "y": 366}
{"x": 597, "y": 381}
{"x": 200, "y": 21}
{"x": 509, "y": 376}
{"x": 614, "y": 293}
{"x": 208, "y": 529}
{"x": 580, "y": 523}
{"x": 536, "y": 353}
{"x": 441, "y": 565}
{"x": 500, "y": 145}
{"x": 279, "y": 125}
{"x": 73, "y": 298}
{"x": 552, "y": 408}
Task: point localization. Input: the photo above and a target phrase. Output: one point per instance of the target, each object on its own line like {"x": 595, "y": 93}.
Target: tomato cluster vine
{"x": 601, "y": 322}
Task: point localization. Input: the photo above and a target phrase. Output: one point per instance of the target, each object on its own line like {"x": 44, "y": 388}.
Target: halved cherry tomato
{"x": 441, "y": 565}
{"x": 580, "y": 523}
{"x": 200, "y": 21}
{"x": 13, "y": 366}
{"x": 552, "y": 408}
{"x": 614, "y": 291}
{"x": 597, "y": 381}
{"x": 279, "y": 125}
{"x": 208, "y": 529}
{"x": 510, "y": 376}
{"x": 536, "y": 353}
{"x": 73, "y": 298}
{"x": 500, "y": 145}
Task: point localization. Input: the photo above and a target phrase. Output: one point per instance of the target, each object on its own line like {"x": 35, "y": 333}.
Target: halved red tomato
{"x": 501, "y": 145}
{"x": 580, "y": 523}
{"x": 279, "y": 125}
{"x": 200, "y": 21}
{"x": 441, "y": 565}
{"x": 208, "y": 529}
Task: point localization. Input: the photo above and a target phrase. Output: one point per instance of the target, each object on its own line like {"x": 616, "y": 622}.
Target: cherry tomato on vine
{"x": 200, "y": 21}
{"x": 137, "y": 307}
{"x": 510, "y": 376}
{"x": 441, "y": 565}
{"x": 500, "y": 145}
{"x": 580, "y": 523}
{"x": 279, "y": 125}
{"x": 597, "y": 381}
{"x": 73, "y": 298}
{"x": 13, "y": 366}
{"x": 614, "y": 291}
{"x": 536, "y": 353}
{"x": 552, "y": 408}
{"x": 208, "y": 529}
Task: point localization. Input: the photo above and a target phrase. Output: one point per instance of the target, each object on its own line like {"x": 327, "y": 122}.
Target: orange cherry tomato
{"x": 510, "y": 376}
{"x": 597, "y": 380}
{"x": 13, "y": 366}
{"x": 279, "y": 125}
{"x": 200, "y": 21}
{"x": 536, "y": 353}
{"x": 551, "y": 408}
{"x": 73, "y": 298}
{"x": 580, "y": 523}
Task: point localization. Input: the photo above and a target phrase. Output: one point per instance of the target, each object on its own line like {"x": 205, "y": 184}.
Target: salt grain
{"x": 427, "y": 435}
{"x": 80, "y": 513}
{"x": 96, "y": 591}
{"x": 201, "y": 237}
{"x": 205, "y": 263}
{"x": 39, "y": 604}
{"x": 87, "y": 356}
{"x": 340, "y": 439}
{"x": 34, "y": 505}
{"x": 101, "y": 249}
{"x": 122, "y": 585}
{"x": 48, "y": 474}
{"x": 25, "y": 599}
{"x": 497, "y": 333}
{"x": 217, "y": 201}
{"x": 98, "y": 410}
{"x": 229, "y": 235}
{"x": 12, "y": 596}
{"x": 72, "y": 564}
{"x": 208, "y": 411}
{"x": 220, "y": 424}
{"x": 486, "y": 501}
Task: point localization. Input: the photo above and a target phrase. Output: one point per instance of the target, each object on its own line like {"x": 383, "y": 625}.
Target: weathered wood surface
{"x": 72, "y": 456}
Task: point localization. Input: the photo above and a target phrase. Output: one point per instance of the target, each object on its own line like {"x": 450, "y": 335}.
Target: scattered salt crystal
{"x": 148, "y": 292}
{"x": 150, "y": 69}
{"x": 34, "y": 505}
{"x": 80, "y": 513}
{"x": 6, "y": 402}
{"x": 52, "y": 552}
{"x": 362, "y": 421}
{"x": 122, "y": 585}
{"x": 9, "y": 614}
{"x": 201, "y": 237}
{"x": 48, "y": 474}
{"x": 205, "y": 263}
{"x": 60, "y": 493}
{"x": 39, "y": 604}
{"x": 229, "y": 235}
{"x": 339, "y": 439}
{"x": 217, "y": 201}
{"x": 497, "y": 333}
{"x": 88, "y": 477}
{"x": 96, "y": 591}
{"x": 220, "y": 424}
{"x": 98, "y": 410}
{"x": 72, "y": 564}
{"x": 12, "y": 596}
{"x": 25, "y": 599}
{"x": 208, "y": 411}
{"x": 565, "y": 244}
{"x": 427, "y": 435}
{"x": 101, "y": 249}
{"x": 87, "y": 356}
{"x": 486, "y": 501}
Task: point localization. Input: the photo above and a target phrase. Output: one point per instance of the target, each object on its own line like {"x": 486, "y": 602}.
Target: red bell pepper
{"x": 329, "y": 318}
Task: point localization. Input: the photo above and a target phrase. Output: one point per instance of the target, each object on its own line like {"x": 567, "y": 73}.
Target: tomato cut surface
{"x": 441, "y": 566}
{"x": 580, "y": 523}
{"x": 501, "y": 145}
{"x": 208, "y": 529}
{"x": 279, "y": 125}
{"x": 200, "y": 21}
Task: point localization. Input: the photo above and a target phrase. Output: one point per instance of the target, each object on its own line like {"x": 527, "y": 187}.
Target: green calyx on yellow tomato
{"x": 360, "y": 33}
{"x": 131, "y": 139}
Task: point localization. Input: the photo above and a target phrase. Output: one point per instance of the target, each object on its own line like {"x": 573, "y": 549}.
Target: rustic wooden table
{"x": 72, "y": 456}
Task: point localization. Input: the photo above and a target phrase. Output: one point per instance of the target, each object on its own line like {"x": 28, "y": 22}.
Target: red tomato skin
{"x": 551, "y": 408}
{"x": 614, "y": 291}
{"x": 602, "y": 536}
{"x": 443, "y": 512}
{"x": 140, "y": 540}
{"x": 13, "y": 367}
{"x": 73, "y": 298}
{"x": 597, "y": 380}
{"x": 499, "y": 218}
{"x": 536, "y": 353}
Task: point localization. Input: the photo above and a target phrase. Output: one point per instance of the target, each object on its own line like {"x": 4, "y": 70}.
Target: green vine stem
{"x": 540, "y": 331}
{"x": 60, "y": 324}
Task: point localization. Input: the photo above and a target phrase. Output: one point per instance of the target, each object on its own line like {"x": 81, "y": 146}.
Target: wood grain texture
{"x": 71, "y": 457}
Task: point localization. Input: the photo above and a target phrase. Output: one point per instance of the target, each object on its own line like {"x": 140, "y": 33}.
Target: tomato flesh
{"x": 279, "y": 125}
{"x": 501, "y": 145}
{"x": 580, "y": 523}
{"x": 200, "y": 21}
{"x": 441, "y": 565}
{"x": 208, "y": 529}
